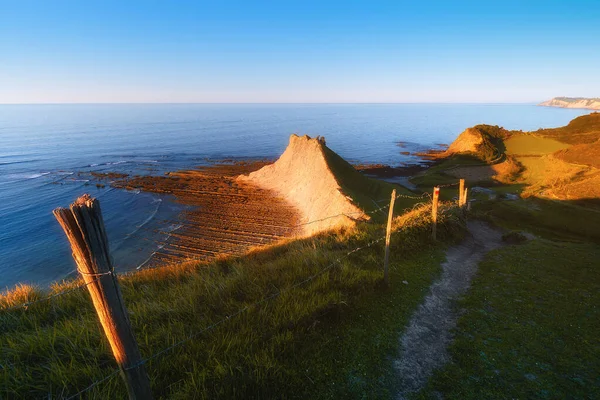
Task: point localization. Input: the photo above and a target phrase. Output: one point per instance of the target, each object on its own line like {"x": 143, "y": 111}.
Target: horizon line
{"x": 269, "y": 103}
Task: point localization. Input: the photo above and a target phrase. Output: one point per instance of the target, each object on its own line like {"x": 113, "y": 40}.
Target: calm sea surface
{"x": 47, "y": 152}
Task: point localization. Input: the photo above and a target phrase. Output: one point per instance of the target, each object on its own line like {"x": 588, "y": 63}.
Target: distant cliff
{"x": 573, "y": 102}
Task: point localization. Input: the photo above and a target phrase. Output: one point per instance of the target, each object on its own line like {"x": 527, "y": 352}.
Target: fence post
{"x": 434, "y": 208}
{"x": 466, "y": 205}
{"x": 84, "y": 227}
{"x": 388, "y": 235}
{"x": 461, "y": 192}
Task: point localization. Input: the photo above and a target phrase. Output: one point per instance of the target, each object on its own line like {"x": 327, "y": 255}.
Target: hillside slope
{"x": 558, "y": 163}
{"x": 573, "y": 102}
{"x": 581, "y": 130}
{"x": 482, "y": 141}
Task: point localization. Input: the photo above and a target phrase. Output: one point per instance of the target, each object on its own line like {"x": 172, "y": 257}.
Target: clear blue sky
{"x": 54, "y": 51}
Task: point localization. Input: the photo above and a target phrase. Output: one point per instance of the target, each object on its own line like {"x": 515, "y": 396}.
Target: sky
{"x": 307, "y": 51}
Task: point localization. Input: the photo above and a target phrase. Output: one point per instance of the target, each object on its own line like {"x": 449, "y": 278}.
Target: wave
{"x": 60, "y": 177}
{"x": 26, "y": 176}
{"x": 120, "y": 162}
{"x": 146, "y": 221}
{"x": 108, "y": 163}
{"x": 150, "y": 218}
{"x": 146, "y": 260}
{"x": 171, "y": 229}
{"x": 18, "y": 162}
{"x": 160, "y": 246}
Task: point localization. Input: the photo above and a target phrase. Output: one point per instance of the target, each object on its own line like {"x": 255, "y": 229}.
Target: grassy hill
{"x": 307, "y": 318}
{"x": 558, "y": 163}
{"x": 582, "y": 130}
{"x": 530, "y": 321}
{"x": 328, "y": 337}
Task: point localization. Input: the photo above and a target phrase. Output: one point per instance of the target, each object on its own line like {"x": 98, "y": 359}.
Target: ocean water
{"x": 47, "y": 152}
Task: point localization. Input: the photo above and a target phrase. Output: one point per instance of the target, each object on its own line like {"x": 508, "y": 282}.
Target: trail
{"x": 424, "y": 344}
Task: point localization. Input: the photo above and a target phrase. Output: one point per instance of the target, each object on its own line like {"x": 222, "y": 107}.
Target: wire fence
{"x": 27, "y": 304}
{"x": 225, "y": 319}
{"x": 228, "y": 318}
{"x": 241, "y": 311}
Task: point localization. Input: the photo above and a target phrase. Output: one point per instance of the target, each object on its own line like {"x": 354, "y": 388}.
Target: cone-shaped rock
{"x": 302, "y": 175}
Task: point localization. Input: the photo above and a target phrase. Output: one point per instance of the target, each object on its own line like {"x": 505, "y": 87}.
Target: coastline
{"x": 222, "y": 217}
{"x": 219, "y": 215}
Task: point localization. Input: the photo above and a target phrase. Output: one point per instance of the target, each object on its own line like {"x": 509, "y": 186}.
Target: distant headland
{"x": 573, "y": 102}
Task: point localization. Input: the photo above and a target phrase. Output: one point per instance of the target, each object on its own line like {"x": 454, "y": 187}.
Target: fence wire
{"x": 227, "y": 318}
{"x": 25, "y": 306}
{"x": 230, "y": 317}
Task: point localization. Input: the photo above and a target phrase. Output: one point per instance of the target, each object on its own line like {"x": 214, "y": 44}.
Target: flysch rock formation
{"x": 303, "y": 177}
{"x": 573, "y": 102}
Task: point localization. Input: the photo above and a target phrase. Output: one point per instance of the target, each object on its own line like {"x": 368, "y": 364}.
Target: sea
{"x": 47, "y": 154}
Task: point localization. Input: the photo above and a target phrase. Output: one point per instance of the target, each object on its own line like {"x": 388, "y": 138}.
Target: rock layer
{"x": 303, "y": 177}
{"x": 573, "y": 102}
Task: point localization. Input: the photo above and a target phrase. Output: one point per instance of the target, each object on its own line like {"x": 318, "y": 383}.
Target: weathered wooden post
{"x": 461, "y": 192}
{"x": 466, "y": 205}
{"x": 84, "y": 227}
{"x": 388, "y": 235}
{"x": 434, "y": 209}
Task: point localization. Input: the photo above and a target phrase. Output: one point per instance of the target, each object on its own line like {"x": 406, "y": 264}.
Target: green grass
{"x": 581, "y": 130}
{"x": 492, "y": 146}
{"x": 366, "y": 192}
{"x": 333, "y": 336}
{"x": 546, "y": 218}
{"x": 530, "y": 327}
{"x": 435, "y": 175}
{"x": 532, "y": 145}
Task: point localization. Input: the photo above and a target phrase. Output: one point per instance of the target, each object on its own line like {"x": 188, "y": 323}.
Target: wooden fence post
{"x": 388, "y": 235}
{"x": 84, "y": 227}
{"x": 461, "y": 192}
{"x": 434, "y": 209}
{"x": 466, "y": 204}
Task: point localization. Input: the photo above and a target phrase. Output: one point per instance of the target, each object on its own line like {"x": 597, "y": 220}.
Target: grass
{"x": 550, "y": 219}
{"x": 532, "y": 145}
{"x": 492, "y": 146}
{"x": 333, "y": 336}
{"x": 435, "y": 175}
{"x": 581, "y": 130}
{"x": 582, "y": 154}
{"x": 366, "y": 192}
{"x": 530, "y": 327}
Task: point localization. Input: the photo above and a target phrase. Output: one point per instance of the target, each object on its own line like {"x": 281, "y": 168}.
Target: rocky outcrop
{"x": 573, "y": 102}
{"x": 481, "y": 141}
{"x": 467, "y": 142}
{"x": 303, "y": 176}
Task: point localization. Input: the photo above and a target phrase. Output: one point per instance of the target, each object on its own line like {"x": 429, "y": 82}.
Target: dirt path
{"x": 424, "y": 344}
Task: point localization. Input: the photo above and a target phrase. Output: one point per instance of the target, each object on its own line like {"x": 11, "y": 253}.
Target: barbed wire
{"x": 237, "y": 313}
{"x": 448, "y": 185}
{"x": 26, "y": 305}
{"x": 96, "y": 383}
{"x": 230, "y": 317}
{"x": 398, "y": 196}
{"x": 290, "y": 228}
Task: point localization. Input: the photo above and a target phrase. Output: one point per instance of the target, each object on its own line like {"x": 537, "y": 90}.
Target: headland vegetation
{"x": 248, "y": 300}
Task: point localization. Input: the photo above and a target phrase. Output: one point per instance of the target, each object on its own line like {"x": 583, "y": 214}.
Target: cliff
{"x": 573, "y": 102}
